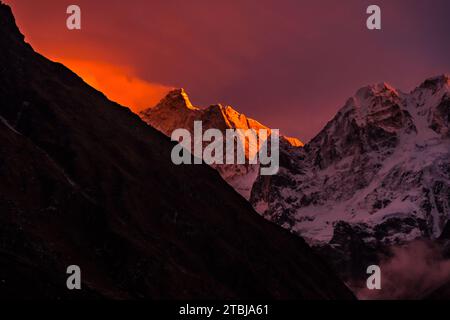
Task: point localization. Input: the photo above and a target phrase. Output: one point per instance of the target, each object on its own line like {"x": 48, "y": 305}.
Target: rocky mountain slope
{"x": 84, "y": 181}
{"x": 176, "y": 111}
{"x": 377, "y": 175}
{"x": 381, "y": 165}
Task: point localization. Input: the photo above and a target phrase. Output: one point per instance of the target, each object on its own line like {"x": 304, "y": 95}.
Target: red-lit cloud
{"x": 120, "y": 84}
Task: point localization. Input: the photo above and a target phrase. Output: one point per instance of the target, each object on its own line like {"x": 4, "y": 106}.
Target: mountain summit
{"x": 175, "y": 111}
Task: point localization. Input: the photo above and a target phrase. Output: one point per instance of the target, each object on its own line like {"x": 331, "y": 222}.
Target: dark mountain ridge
{"x": 84, "y": 181}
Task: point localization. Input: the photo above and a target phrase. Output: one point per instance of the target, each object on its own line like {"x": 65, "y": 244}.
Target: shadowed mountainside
{"x": 84, "y": 181}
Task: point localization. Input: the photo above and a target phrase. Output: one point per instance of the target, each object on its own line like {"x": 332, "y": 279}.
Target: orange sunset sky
{"x": 290, "y": 64}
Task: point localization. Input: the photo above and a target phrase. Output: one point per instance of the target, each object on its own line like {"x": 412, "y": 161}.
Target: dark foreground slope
{"x": 84, "y": 181}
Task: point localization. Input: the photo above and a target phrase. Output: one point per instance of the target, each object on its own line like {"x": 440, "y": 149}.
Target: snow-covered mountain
{"x": 377, "y": 175}
{"x": 176, "y": 111}
{"x": 379, "y": 170}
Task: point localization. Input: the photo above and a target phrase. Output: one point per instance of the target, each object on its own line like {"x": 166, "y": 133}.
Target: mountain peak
{"x": 378, "y": 100}
{"x": 8, "y": 26}
{"x": 176, "y": 99}
{"x": 436, "y": 83}
{"x": 379, "y": 89}
{"x": 176, "y": 112}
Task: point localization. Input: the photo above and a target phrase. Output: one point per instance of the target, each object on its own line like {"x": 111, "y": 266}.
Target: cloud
{"x": 118, "y": 83}
{"x": 412, "y": 272}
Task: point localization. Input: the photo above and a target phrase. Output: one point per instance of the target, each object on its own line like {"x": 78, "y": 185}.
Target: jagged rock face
{"x": 84, "y": 181}
{"x": 370, "y": 122}
{"x": 176, "y": 111}
{"x": 381, "y": 165}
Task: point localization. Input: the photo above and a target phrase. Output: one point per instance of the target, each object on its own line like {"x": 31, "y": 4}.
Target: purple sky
{"x": 290, "y": 64}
